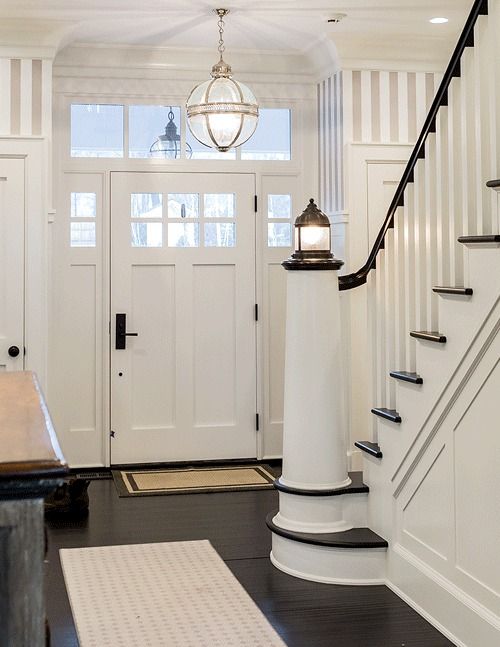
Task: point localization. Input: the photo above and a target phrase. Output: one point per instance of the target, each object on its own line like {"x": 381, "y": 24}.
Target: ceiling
{"x": 284, "y": 26}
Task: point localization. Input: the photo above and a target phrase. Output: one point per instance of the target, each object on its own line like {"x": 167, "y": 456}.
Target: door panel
{"x": 12, "y": 264}
{"x": 183, "y": 271}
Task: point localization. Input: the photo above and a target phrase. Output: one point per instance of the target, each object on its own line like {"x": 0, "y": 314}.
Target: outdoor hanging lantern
{"x": 312, "y": 239}
{"x": 169, "y": 145}
{"x": 222, "y": 113}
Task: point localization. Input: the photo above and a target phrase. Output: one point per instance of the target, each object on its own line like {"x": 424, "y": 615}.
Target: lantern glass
{"x": 312, "y": 238}
{"x": 163, "y": 147}
{"x": 222, "y": 113}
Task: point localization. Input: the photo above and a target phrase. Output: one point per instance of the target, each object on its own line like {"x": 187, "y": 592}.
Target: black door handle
{"x": 14, "y": 351}
{"x": 121, "y": 333}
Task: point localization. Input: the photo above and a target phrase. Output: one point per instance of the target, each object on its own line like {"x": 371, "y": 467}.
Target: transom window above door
{"x": 183, "y": 219}
{"x": 134, "y": 132}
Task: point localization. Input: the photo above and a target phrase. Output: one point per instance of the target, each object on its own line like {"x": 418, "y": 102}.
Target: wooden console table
{"x": 31, "y": 466}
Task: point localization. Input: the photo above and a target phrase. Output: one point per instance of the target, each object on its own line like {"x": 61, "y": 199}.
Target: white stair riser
{"x": 321, "y": 513}
{"x": 349, "y": 566}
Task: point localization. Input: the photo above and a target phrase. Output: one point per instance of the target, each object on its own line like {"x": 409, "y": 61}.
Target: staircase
{"x": 430, "y": 523}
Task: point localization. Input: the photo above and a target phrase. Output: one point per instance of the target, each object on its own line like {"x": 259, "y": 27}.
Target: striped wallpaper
{"x": 25, "y": 97}
{"x": 363, "y": 106}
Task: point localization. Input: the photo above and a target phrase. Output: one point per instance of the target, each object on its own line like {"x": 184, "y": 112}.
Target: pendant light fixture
{"x": 222, "y": 113}
{"x": 168, "y": 145}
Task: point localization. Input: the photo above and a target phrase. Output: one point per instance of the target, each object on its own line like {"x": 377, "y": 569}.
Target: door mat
{"x": 192, "y": 480}
{"x": 179, "y": 594}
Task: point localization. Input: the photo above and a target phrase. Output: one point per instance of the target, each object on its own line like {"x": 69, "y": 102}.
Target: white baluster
{"x": 409, "y": 277}
{"x": 420, "y": 255}
{"x": 455, "y": 179}
{"x": 389, "y": 317}
{"x": 443, "y": 230}
{"x": 380, "y": 333}
{"x": 400, "y": 328}
{"x": 430, "y": 231}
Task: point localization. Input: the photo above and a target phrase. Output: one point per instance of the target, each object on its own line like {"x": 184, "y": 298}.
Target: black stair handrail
{"x": 480, "y": 7}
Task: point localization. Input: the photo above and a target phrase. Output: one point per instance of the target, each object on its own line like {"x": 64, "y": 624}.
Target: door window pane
{"x": 183, "y": 205}
{"x": 147, "y": 234}
{"x": 272, "y": 139}
{"x": 183, "y": 234}
{"x": 146, "y": 124}
{"x": 83, "y": 234}
{"x": 219, "y": 234}
{"x": 83, "y": 205}
{"x": 96, "y": 130}
{"x": 279, "y": 206}
{"x": 146, "y": 205}
{"x": 279, "y": 234}
{"x": 219, "y": 205}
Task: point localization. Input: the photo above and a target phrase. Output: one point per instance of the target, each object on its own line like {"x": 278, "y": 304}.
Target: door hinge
{"x": 255, "y": 203}
{"x": 256, "y": 422}
{"x": 256, "y": 312}
{"x": 112, "y": 434}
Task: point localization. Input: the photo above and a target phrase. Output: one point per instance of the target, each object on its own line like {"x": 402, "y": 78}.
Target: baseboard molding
{"x": 462, "y": 619}
{"x": 427, "y": 616}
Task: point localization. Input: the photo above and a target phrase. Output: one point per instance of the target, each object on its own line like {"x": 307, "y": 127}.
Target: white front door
{"x": 183, "y": 342}
{"x": 12, "y": 219}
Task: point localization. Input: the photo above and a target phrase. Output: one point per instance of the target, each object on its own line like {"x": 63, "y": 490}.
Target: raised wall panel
{"x": 477, "y": 486}
{"x": 153, "y": 362}
{"x": 214, "y": 344}
{"x": 427, "y": 515}
{"x": 276, "y": 336}
{"x": 80, "y": 360}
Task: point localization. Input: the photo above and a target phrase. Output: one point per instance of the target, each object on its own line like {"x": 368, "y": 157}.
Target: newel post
{"x": 314, "y": 445}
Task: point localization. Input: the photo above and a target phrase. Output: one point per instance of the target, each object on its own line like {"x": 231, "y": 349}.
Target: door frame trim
{"x": 33, "y": 151}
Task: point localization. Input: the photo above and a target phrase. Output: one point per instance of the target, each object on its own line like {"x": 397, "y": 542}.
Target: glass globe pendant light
{"x": 222, "y": 113}
{"x": 168, "y": 145}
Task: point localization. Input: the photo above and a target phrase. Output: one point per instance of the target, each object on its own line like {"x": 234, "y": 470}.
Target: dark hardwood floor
{"x": 305, "y": 614}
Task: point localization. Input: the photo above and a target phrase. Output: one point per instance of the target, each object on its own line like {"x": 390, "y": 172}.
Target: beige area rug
{"x": 191, "y": 480}
{"x": 177, "y": 594}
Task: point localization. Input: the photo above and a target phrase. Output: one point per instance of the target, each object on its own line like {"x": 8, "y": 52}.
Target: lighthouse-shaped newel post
{"x": 314, "y": 444}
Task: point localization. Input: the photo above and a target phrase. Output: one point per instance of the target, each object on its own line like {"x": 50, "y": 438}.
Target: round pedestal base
{"x": 349, "y": 566}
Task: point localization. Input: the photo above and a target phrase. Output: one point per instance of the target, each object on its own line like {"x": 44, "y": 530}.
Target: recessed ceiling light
{"x": 438, "y": 21}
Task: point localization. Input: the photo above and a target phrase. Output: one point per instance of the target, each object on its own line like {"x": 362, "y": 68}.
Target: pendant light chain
{"x": 221, "y": 13}
{"x": 222, "y": 113}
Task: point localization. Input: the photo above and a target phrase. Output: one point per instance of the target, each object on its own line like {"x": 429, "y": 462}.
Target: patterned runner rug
{"x": 191, "y": 480}
{"x": 177, "y": 594}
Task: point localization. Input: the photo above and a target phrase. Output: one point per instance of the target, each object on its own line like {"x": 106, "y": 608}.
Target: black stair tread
{"x": 388, "y": 414}
{"x": 444, "y": 289}
{"x": 356, "y": 487}
{"x": 413, "y": 378}
{"x": 354, "y": 538}
{"x": 429, "y": 336}
{"x": 370, "y": 448}
{"x": 488, "y": 238}
{"x": 493, "y": 184}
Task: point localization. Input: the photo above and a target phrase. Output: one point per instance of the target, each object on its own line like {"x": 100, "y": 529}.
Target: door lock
{"x": 121, "y": 333}
{"x": 14, "y": 351}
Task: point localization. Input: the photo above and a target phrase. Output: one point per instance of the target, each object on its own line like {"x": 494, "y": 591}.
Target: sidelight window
{"x": 279, "y": 208}
{"x": 83, "y": 214}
